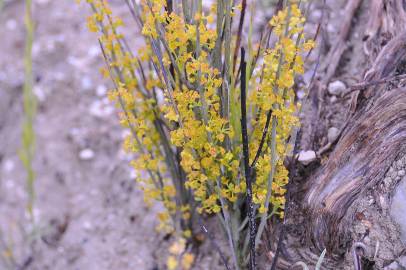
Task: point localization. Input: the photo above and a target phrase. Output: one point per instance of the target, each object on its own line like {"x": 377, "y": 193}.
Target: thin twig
{"x": 264, "y": 135}
{"x": 364, "y": 85}
{"x": 248, "y": 179}
{"x": 239, "y": 33}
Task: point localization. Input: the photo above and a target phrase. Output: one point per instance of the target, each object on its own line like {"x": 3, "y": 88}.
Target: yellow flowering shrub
{"x": 180, "y": 97}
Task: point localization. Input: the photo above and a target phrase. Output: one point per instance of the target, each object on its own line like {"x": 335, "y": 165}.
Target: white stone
{"x": 301, "y": 94}
{"x": 11, "y": 24}
{"x": 87, "y": 225}
{"x": 42, "y": 2}
{"x": 93, "y": 51}
{"x": 39, "y": 93}
{"x": 333, "y": 99}
{"x": 98, "y": 108}
{"x": 316, "y": 15}
{"x": 332, "y": 134}
{"x": 331, "y": 28}
{"x": 86, "y": 83}
{"x": 101, "y": 90}
{"x": 306, "y": 157}
{"x": 401, "y": 173}
{"x": 86, "y": 154}
{"x": 383, "y": 202}
{"x": 8, "y": 165}
{"x": 336, "y": 88}
{"x": 387, "y": 181}
{"x": 402, "y": 261}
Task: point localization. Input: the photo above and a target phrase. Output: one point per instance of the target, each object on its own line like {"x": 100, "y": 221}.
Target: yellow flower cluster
{"x": 275, "y": 93}
{"x": 199, "y": 131}
{"x": 136, "y": 93}
{"x": 170, "y": 98}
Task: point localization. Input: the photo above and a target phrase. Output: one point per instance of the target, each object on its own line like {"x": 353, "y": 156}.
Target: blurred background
{"x": 87, "y": 212}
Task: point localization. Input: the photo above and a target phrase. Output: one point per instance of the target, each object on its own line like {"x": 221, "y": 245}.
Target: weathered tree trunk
{"x": 354, "y": 187}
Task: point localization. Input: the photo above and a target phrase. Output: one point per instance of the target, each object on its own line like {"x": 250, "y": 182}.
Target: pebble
{"x": 336, "y": 88}
{"x": 8, "y": 165}
{"x": 306, "y": 157}
{"x": 36, "y": 48}
{"x": 86, "y": 83}
{"x": 11, "y": 24}
{"x": 371, "y": 199}
{"x": 387, "y": 181}
{"x": 42, "y": 2}
{"x": 99, "y": 108}
{"x": 86, "y": 154}
{"x": 87, "y": 225}
{"x": 383, "y": 202}
{"x": 101, "y": 90}
{"x": 133, "y": 174}
{"x": 401, "y": 173}
{"x": 93, "y": 51}
{"x": 333, "y": 99}
{"x": 331, "y": 28}
{"x": 316, "y": 15}
{"x": 402, "y": 261}
{"x": 301, "y": 94}
{"x": 39, "y": 93}
{"x": 332, "y": 134}
{"x": 77, "y": 62}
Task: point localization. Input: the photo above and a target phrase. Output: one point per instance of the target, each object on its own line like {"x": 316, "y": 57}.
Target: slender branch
{"x": 261, "y": 144}
{"x": 27, "y": 151}
{"x": 363, "y": 85}
{"x": 239, "y": 33}
{"x": 248, "y": 174}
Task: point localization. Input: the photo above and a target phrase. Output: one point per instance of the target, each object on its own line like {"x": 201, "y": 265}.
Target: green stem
{"x": 28, "y": 134}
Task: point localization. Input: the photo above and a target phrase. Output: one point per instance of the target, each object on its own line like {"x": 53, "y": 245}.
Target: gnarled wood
{"x": 372, "y": 139}
{"x": 369, "y": 145}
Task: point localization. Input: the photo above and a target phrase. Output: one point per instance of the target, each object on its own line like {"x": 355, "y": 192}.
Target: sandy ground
{"x": 88, "y": 213}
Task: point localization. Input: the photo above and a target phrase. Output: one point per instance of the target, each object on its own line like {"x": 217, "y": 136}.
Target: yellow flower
{"x": 172, "y": 263}
{"x": 177, "y": 247}
{"x": 308, "y": 45}
{"x": 187, "y": 261}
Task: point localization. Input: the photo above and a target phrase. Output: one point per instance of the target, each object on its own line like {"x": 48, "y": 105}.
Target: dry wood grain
{"x": 369, "y": 145}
